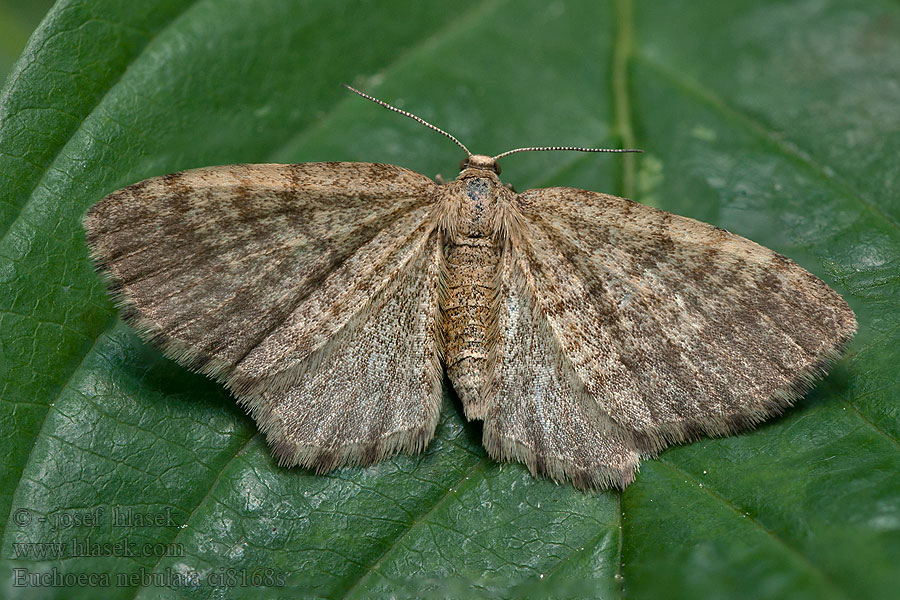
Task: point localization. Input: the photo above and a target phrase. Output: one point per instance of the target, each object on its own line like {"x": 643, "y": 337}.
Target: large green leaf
{"x": 777, "y": 120}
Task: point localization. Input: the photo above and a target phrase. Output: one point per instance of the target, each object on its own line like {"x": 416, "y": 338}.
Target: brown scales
{"x": 585, "y": 330}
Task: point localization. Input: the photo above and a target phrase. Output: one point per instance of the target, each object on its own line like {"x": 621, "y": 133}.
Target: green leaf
{"x": 17, "y": 19}
{"x": 776, "y": 120}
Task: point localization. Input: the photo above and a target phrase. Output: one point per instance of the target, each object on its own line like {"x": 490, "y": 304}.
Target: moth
{"x": 585, "y": 330}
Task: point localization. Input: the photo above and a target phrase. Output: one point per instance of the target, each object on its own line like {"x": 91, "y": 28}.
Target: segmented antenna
{"x": 466, "y": 150}
{"x": 573, "y": 148}
{"x": 410, "y": 115}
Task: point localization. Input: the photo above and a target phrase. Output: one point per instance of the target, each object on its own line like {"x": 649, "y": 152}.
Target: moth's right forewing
{"x": 677, "y": 328}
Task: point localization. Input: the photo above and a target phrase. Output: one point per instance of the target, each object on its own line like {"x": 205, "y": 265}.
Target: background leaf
{"x": 777, "y": 120}
{"x": 17, "y": 20}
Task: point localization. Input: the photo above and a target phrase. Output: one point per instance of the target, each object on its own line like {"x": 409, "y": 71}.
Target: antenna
{"x": 573, "y": 148}
{"x": 410, "y": 115}
{"x": 466, "y": 150}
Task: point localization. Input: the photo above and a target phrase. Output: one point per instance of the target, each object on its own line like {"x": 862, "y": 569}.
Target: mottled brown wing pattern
{"x": 246, "y": 272}
{"x": 675, "y": 327}
{"x": 586, "y": 330}
{"x": 539, "y": 413}
{"x": 374, "y": 388}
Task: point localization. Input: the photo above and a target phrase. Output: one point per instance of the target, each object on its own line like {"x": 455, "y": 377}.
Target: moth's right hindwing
{"x": 538, "y": 412}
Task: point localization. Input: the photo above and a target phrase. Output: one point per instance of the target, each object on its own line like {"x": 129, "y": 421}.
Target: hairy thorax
{"x": 472, "y": 247}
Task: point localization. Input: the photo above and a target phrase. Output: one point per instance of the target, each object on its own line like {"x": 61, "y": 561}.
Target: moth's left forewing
{"x": 310, "y": 290}
{"x": 675, "y": 327}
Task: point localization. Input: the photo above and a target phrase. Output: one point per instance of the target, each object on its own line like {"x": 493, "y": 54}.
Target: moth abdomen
{"x": 467, "y": 306}
{"x": 471, "y": 262}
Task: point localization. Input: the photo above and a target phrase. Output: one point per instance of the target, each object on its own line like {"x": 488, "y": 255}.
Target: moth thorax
{"x": 479, "y": 200}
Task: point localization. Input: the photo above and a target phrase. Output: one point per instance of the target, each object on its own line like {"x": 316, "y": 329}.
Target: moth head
{"x": 480, "y": 161}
